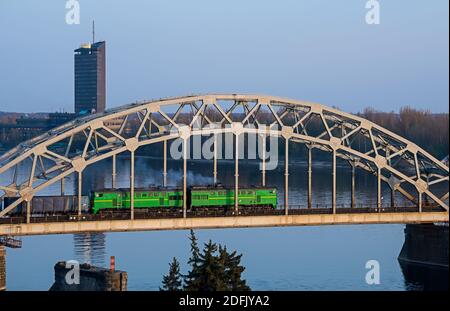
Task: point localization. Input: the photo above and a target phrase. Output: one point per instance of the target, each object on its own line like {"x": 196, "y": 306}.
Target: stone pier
{"x": 426, "y": 244}
{"x": 91, "y": 279}
{"x": 424, "y": 257}
{"x": 2, "y": 268}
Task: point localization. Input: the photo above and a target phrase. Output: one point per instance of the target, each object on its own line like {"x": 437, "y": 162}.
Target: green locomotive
{"x": 197, "y": 197}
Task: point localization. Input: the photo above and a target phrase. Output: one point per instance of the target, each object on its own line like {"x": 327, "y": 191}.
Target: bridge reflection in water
{"x": 90, "y": 248}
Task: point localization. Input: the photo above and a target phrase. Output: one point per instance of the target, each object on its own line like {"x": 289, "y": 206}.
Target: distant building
{"x": 22, "y": 127}
{"x": 90, "y": 81}
{"x": 56, "y": 119}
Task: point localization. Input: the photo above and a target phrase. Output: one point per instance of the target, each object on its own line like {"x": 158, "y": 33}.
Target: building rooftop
{"x": 87, "y": 47}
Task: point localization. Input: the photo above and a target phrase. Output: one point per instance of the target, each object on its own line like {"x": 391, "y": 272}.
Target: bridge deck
{"x": 65, "y": 227}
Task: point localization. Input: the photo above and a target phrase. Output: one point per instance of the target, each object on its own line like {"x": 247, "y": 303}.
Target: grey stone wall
{"x": 426, "y": 244}
{"x": 91, "y": 279}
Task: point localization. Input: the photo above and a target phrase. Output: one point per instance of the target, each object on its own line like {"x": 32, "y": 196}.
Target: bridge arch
{"x": 393, "y": 159}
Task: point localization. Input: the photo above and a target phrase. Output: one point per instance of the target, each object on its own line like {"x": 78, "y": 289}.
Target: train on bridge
{"x": 106, "y": 200}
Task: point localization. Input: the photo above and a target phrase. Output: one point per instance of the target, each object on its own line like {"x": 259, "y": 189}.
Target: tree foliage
{"x": 212, "y": 269}
{"x": 173, "y": 280}
{"x": 193, "y": 276}
{"x": 427, "y": 130}
{"x": 233, "y": 270}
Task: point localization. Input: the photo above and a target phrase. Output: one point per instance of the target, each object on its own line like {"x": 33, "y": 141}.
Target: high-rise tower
{"x": 90, "y": 80}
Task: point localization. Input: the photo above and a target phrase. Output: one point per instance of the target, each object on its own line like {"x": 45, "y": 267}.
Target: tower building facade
{"x": 90, "y": 78}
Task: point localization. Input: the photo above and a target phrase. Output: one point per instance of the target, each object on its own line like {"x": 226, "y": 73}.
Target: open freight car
{"x": 49, "y": 205}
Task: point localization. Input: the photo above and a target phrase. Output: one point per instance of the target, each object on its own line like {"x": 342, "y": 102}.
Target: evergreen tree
{"x": 195, "y": 250}
{"x": 192, "y": 278}
{"x": 212, "y": 271}
{"x": 172, "y": 281}
{"x": 233, "y": 270}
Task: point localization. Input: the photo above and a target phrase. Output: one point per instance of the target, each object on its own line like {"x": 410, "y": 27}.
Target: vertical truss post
{"x": 132, "y": 185}
{"x": 263, "y": 177}
{"x": 286, "y": 177}
{"x": 392, "y": 186}
{"x": 236, "y": 175}
{"x": 80, "y": 185}
{"x": 63, "y": 188}
{"x": 28, "y": 211}
{"x": 379, "y": 189}
{"x": 165, "y": 164}
{"x": 30, "y": 185}
{"x": 353, "y": 201}
{"x": 215, "y": 160}
{"x": 425, "y": 196}
{"x": 184, "y": 178}
{"x": 393, "y": 196}
{"x": 419, "y": 200}
{"x": 333, "y": 195}
{"x": 113, "y": 177}
{"x": 16, "y": 172}
{"x": 309, "y": 176}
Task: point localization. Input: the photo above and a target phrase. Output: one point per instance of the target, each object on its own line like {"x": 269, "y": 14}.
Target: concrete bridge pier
{"x": 424, "y": 257}
{"x": 91, "y": 278}
{"x": 426, "y": 244}
{"x": 2, "y": 268}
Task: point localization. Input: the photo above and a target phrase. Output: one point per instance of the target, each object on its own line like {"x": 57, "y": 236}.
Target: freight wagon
{"x": 49, "y": 205}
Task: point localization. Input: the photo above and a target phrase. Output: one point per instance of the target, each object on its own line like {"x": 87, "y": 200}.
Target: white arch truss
{"x": 393, "y": 159}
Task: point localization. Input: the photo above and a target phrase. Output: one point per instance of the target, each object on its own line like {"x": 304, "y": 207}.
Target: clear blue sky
{"x": 318, "y": 50}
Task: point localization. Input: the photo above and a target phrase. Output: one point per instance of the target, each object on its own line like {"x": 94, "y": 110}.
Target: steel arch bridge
{"x": 51, "y": 157}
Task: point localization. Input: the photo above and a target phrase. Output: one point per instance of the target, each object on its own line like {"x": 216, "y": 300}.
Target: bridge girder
{"x": 52, "y": 157}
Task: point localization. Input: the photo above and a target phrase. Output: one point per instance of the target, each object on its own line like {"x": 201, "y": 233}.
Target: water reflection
{"x": 424, "y": 278}
{"x": 90, "y": 248}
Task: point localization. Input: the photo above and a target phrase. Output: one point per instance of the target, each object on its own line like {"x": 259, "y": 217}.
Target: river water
{"x": 289, "y": 258}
